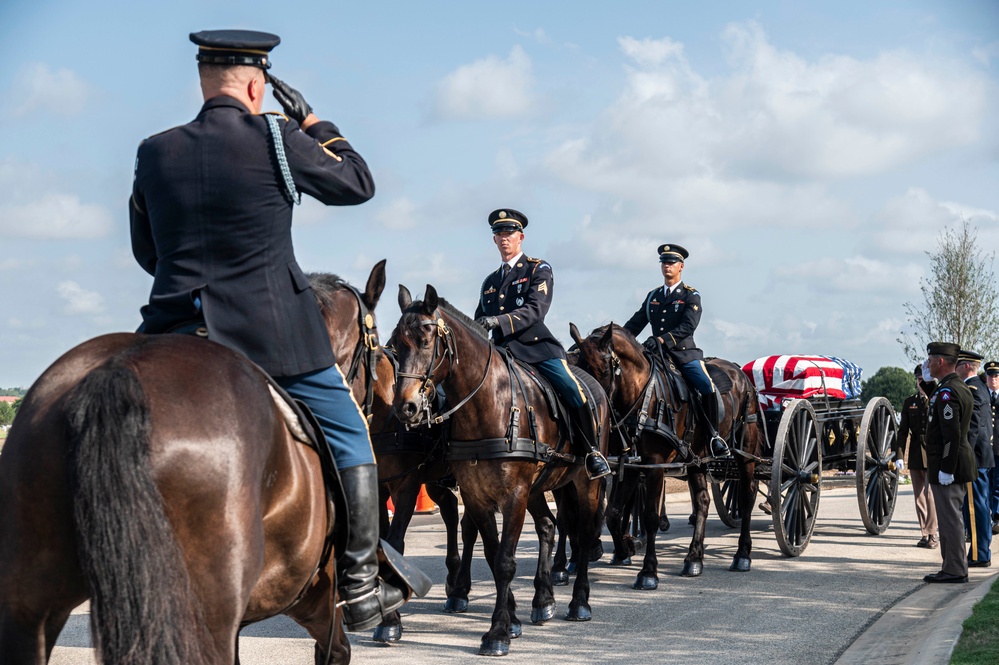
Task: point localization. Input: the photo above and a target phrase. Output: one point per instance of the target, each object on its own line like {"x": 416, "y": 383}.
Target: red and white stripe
{"x": 780, "y": 377}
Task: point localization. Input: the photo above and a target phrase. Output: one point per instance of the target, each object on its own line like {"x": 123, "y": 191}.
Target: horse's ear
{"x": 430, "y": 299}
{"x": 376, "y": 284}
{"x": 405, "y": 299}
{"x": 607, "y": 339}
{"x": 574, "y": 333}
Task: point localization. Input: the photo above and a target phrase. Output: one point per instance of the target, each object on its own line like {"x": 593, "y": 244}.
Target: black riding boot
{"x": 718, "y": 446}
{"x": 367, "y": 598}
{"x": 596, "y": 464}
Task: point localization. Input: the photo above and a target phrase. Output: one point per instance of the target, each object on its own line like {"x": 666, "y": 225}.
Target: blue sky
{"x": 807, "y": 154}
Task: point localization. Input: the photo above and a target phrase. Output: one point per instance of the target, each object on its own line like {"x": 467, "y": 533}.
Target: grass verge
{"x": 979, "y": 643}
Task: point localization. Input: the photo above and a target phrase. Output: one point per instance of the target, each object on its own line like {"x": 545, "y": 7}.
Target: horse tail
{"x": 141, "y": 600}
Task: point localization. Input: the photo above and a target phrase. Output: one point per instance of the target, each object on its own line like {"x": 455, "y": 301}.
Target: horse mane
{"x": 324, "y": 285}
{"x": 464, "y": 318}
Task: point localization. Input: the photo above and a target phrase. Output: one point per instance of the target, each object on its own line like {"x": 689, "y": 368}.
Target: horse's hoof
{"x": 560, "y": 578}
{"x": 456, "y": 605}
{"x": 620, "y": 562}
{"x": 542, "y": 614}
{"x": 664, "y": 524}
{"x": 692, "y": 569}
{"x": 692, "y": 520}
{"x": 741, "y": 564}
{"x": 646, "y": 583}
{"x": 516, "y": 630}
{"x": 571, "y": 568}
{"x": 597, "y": 552}
{"x": 581, "y": 613}
{"x": 388, "y": 634}
{"x": 494, "y": 648}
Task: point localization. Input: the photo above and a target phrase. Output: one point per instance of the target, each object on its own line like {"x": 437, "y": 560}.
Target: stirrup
{"x": 603, "y": 467}
{"x": 727, "y": 452}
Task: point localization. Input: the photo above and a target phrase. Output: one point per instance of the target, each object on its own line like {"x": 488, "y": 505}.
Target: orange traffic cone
{"x": 424, "y": 505}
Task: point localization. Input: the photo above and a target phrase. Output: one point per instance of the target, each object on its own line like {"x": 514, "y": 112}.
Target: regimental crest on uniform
{"x": 948, "y": 412}
{"x": 695, "y": 308}
{"x": 945, "y": 395}
{"x": 520, "y": 301}
{"x": 543, "y": 288}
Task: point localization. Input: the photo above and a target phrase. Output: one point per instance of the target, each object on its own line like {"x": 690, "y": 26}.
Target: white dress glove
{"x": 900, "y": 465}
{"x": 945, "y": 478}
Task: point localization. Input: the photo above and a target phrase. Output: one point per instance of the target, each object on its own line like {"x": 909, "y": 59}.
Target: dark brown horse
{"x": 438, "y": 345}
{"x": 619, "y": 363}
{"x": 158, "y": 477}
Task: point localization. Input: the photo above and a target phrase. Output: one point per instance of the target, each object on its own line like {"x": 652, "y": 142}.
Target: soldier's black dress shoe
{"x": 979, "y": 564}
{"x": 945, "y": 578}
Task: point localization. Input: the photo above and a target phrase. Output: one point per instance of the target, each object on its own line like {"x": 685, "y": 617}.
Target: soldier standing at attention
{"x": 977, "y": 516}
{"x": 913, "y": 427}
{"x": 674, "y": 310}
{"x": 211, "y": 212}
{"x": 513, "y": 303}
{"x": 950, "y": 460}
{"x": 992, "y": 383}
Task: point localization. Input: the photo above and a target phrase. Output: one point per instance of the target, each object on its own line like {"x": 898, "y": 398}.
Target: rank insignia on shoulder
{"x": 543, "y": 287}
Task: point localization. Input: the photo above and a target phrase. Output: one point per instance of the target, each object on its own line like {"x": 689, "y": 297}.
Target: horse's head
{"x": 613, "y": 357}
{"x": 424, "y": 349}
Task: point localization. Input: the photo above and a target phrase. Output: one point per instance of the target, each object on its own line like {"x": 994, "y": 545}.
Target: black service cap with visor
{"x": 507, "y": 219}
{"x": 672, "y": 253}
{"x": 235, "y": 47}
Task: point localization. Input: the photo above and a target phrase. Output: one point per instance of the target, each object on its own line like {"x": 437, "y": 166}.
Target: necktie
{"x": 504, "y": 271}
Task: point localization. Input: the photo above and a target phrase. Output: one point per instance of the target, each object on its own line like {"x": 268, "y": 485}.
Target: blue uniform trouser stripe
{"x": 976, "y": 520}
{"x": 328, "y": 396}
{"x": 697, "y": 375}
{"x": 565, "y": 384}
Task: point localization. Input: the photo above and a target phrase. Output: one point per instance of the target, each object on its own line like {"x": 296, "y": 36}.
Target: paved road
{"x": 803, "y": 610}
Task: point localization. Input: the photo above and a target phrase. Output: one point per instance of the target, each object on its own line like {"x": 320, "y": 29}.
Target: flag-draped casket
{"x": 798, "y": 376}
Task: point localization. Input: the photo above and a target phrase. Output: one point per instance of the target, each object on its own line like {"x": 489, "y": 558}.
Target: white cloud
{"x": 54, "y": 216}
{"x": 912, "y": 223}
{"x": 853, "y": 275}
{"x": 487, "y": 88}
{"x": 398, "y": 215}
{"x": 985, "y": 54}
{"x": 763, "y": 143}
{"x": 78, "y": 300}
{"x": 39, "y": 88}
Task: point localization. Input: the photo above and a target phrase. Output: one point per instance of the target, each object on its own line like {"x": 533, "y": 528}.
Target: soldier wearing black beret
{"x": 911, "y": 439}
{"x": 950, "y": 459}
{"x": 674, "y": 310}
{"x": 513, "y": 302}
{"x": 211, "y": 212}
{"x": 977, "y": 516}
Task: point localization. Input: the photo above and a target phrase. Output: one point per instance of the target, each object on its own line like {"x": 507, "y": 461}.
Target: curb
{"x": 921, "y": 629}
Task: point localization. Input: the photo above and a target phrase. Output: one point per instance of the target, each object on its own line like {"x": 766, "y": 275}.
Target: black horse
{"x": 498, "y": 408}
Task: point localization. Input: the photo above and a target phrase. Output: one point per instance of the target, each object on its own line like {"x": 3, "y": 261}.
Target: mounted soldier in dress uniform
{"x": 950, "y": 459}
{"x": 513, "y": 303}
{"x": 211, "y": 213}
{"x": 674, "y": 310}
{"x": 912, "y": 428}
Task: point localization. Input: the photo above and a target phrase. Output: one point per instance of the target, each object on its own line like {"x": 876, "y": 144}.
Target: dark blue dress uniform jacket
{"x": 674, "y": 318}
{"x": 980, "y": 431}
{"x": 210, "y": 219}
{"x": 912, "y": 425}
{"x": 520, "y": 302}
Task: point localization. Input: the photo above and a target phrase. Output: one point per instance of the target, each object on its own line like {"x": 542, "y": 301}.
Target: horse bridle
{"x": 444, "y": 349}
{"x": 365, "y": 353}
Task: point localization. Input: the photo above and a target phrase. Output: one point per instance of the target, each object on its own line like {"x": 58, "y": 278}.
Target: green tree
{"x": 894, "y": 383}
{"x": 960, "y": 301}
{"x": 6, "y": 413}
{"x": 17, "y": 405}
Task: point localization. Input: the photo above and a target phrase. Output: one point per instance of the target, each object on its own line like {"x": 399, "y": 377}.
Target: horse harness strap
{"x": 364, "y": 354}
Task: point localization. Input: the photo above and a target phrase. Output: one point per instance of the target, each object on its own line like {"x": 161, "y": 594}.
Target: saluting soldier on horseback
{"x": 513, "y": 302}
{"x": 674, "y": 310}
{"x": 211, "y": 213}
